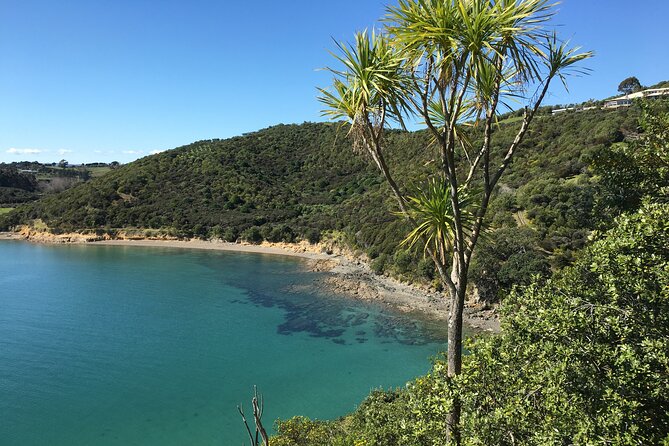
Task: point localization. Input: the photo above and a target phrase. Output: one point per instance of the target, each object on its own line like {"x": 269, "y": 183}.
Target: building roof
{"x": 643, "y": 93}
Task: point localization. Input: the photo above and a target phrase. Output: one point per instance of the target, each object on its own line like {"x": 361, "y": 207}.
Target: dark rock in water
{"x": 330, "y": 318}
{"x": 339, "y": 341}
{"x": 335, "y": 333}
{"x": 296, "y": 325}
{"x": 359, "y": 319}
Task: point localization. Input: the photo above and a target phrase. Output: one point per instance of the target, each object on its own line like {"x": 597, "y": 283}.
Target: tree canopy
{"x": 630, "y": 85}
{"x": 449, "y": 63}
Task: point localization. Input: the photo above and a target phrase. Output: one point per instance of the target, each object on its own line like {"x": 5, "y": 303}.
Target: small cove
{"x": 156, "y": 346}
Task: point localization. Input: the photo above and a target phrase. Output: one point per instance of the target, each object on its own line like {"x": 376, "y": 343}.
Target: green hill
{"x": 291, "y": 182}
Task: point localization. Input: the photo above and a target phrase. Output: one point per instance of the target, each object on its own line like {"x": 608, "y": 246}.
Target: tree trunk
{"x": 455, "y": 352}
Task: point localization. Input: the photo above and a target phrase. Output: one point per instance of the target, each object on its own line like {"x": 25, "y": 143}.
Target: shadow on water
{"x": 323, "y": 314}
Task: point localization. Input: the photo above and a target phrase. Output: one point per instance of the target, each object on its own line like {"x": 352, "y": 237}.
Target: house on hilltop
{"x": 626, "y": 100}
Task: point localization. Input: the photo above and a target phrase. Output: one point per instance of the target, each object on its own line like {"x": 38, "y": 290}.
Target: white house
{"x": 626, "y": 100}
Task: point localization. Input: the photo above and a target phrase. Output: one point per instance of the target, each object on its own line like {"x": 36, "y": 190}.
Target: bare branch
{"x": 257, "y": 415}
{"x": 425, "y": 102}
{"x": 375, "y": 150}
{"x": 258, "y": 405}
{"x": 240, "y": 409}
{"x": 485, "y": 148}
{"x": 527, "y": 119}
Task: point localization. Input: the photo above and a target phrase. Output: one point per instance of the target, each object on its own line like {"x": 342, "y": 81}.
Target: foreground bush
{"x": 582, "y": 359}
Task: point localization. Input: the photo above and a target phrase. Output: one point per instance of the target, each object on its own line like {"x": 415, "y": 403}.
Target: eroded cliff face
{"x": 43, "y": 235}
{"x": 40, "y": 236}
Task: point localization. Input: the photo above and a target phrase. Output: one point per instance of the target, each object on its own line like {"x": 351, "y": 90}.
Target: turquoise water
{"x": 108, "y": 345}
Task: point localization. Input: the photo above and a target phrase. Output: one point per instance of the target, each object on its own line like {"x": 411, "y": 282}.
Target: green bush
{"x": 425, "y": 268}
{"x": 230, "y": 235}
{"x": 252, "y": 235}
{"x": 301, "y": 431}
{"x": 403, "y": 261}
{"x": 313, "y": 236}
{"x": 582, "y": 360}
{"x": 378, "y": 265}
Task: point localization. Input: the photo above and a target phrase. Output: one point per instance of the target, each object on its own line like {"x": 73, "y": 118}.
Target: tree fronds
{"x": 432, "y": 209}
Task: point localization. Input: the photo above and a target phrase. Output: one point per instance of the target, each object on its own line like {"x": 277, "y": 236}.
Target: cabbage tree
{"x": 450, "y": 65}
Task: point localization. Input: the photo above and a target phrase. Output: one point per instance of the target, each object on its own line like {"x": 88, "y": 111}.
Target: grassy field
{"x": 94, "y": 171}
{"x": 98, "y": 171}
{"x": 5, "y": 210}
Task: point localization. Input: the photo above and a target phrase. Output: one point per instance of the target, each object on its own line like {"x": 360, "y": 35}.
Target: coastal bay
{"x": 113, "y": 344}
{"x": 349, "y": 275}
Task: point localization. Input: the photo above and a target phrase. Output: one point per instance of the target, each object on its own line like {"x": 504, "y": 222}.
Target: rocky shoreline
{"x": 347, "y": 274}
{"x": 354, "y": 278}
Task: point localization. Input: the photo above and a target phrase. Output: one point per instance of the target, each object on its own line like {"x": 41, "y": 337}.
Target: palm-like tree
{"x": 448, "y": 63}
{"x": 431, "y": 209}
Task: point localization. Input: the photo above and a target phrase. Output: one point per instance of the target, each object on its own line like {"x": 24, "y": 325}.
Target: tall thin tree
{"x": 449, "y": 63}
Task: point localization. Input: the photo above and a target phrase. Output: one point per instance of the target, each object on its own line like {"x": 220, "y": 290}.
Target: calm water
{"x": 150, "y": 346}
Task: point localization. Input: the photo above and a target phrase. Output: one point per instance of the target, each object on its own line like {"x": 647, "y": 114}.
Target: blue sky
{"x": 88, "y": 80}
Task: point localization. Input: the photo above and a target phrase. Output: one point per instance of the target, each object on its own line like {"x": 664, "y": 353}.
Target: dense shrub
{"x": 378, "y": 265}
{"x": 313, "y": 236}
{"x": 582, "y": 360}
{"x": 252, "y": 235}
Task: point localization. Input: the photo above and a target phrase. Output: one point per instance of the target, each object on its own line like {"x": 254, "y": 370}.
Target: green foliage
{"x": 11, "y": 177}
{"x": 379, "y": 419}
{"x": 230, "y": 235}
{"x": 374, "y": 76}
{"x": 313, "y": 236}
{"x": 278, "y": 233}
{"x": 252, "y": 235}
{"x": 510, "y": 257}
{"x": 582, "y": 360}
{"x": 379, "y": 264}
{"x": 630, "y": 85}
{"x": 630, "y": 171}
{"x": 301, "y": 431}
{"x": 432, "y": 211}
{"x": 13, "y": 196}
{"x": 16, "y": 187}
{"x": 425, "y": 269}
{"x": 403, "y": 260}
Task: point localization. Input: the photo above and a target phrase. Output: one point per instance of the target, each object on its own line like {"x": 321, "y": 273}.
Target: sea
{"x": 125, "y": 345}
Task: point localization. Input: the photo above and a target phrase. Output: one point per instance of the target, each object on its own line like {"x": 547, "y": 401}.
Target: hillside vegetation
{"x": 581, "y": 360}
{"x": 26, "y": 181}
{"x": 292, "y": 182}
{"x": 582, "y": 357}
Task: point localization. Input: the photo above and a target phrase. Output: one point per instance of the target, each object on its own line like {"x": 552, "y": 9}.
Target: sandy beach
{"x": 274, "y": 249}
{"x": 348, "y": 275}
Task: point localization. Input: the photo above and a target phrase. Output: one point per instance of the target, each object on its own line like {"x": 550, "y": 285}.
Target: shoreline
{"x": 270, "y": 249}
{"x": 347, "y": 275}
